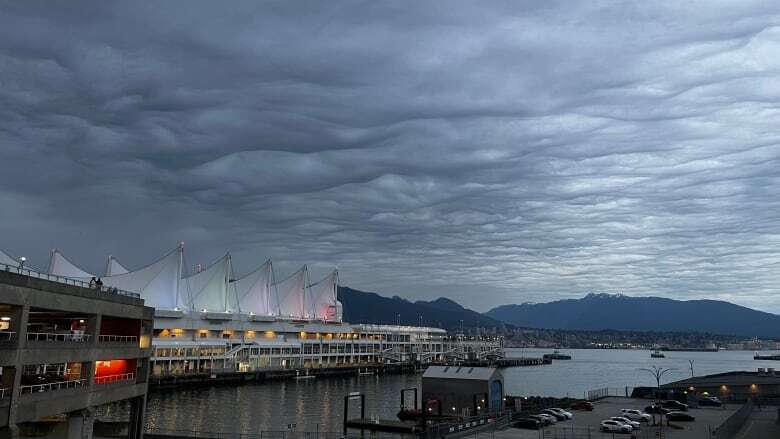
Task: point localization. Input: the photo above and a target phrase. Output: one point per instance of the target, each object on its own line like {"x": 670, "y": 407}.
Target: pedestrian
{"x": 99, "y": 284}
{"x": 92, "y": 282}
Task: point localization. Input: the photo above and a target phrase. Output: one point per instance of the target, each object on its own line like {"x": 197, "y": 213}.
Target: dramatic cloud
{"x": 490, "y": 152}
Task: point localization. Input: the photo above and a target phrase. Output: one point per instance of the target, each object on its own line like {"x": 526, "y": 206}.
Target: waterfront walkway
{"x": 762, "y": 424}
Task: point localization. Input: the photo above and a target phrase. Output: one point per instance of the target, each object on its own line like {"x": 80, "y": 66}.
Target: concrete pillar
{"x": 20, "y": 317}
{"x": 93, "y": 327}
{"x": 80, "y": 424}
{"x": 135, "y": 426}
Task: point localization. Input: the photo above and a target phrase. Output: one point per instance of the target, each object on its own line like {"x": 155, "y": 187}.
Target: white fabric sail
{"x": 157, "y": 283}
{"x": 254, "y": 291}
{"x": 323, "y": 297}
{"x": 113, "y": 267}
{"x": 208, "y": 289}
{"x": 59, "y": 265}
{"x": 292, "y": 295}
{"x": 6, "y": 259}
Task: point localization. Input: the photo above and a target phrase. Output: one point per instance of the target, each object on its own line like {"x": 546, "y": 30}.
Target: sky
{"x": 489, "y": 152}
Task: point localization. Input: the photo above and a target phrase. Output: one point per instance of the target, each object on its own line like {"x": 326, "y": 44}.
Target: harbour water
{"x": 317, "y": 404}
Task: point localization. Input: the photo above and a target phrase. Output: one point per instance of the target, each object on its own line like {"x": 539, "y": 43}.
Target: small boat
{"x": 556, "y": 355}
{"x": 657, "y": 354}
{"x": 305, "y": 376}
{"x": 775, "y": 357}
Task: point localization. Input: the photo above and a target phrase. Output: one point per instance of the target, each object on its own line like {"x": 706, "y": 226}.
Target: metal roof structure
{"x": 461, "y": 372}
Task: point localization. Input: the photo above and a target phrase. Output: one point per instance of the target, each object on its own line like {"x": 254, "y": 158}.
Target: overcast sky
{"x": 490, "y": 152}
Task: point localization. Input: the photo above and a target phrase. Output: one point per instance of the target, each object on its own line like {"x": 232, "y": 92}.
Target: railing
{"x": 5, "y": 393}
{"x": 49, "y": 387}
{"x": 592, "y": 395}
{"x": 268, "y": 434}
{"x": 115, "y": 378}
{"x": 7, "y": 336}
{"x": 50, "y": 336}
{"x": 117, "y": 338}
{"x": 66, "y": 280}
{"x": 734, "y": 423}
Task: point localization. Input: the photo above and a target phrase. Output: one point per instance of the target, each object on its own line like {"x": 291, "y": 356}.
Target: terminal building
{"x": 68, "y": 349}
{"x": 211, "y": 322}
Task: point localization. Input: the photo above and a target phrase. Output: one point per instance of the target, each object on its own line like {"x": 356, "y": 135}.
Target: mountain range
{"x": 619, "y": 312}
{"x": 593, "y": 312}
{"x": 363, "y": 307}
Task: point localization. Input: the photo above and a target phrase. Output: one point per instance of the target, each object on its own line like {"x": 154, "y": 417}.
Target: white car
{"x": 566, "y": 414}
{"x": 636, "y": 415}
{"x": 634, "y": 425}
{"x": 552, "y": 418}
{"x": 615, "y": 427}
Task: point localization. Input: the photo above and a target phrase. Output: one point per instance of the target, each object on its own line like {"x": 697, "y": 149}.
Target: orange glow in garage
{"x": 113, "y": 367}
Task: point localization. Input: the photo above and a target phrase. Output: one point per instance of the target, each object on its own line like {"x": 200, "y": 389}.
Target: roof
{"x": 461, "y": 373}
{"x": 736, "y": 378}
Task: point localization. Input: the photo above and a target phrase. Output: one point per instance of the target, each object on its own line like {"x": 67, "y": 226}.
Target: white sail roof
{"x": 208, "y": 289}
{"x": 59, "y": 265}
{"x": 6, "y": 259}
{"x": 323, "y": 297}
{"x": 254, "y": 291}
{"x": 113, "y": 267}
{"x": 292, "y": 294}
{"x": 157, "y": 283}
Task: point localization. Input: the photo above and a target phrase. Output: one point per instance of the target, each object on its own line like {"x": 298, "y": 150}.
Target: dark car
{"x": 528, "y": 424}
{"x": 542, "y": 420}
{"x": 583, "y": 405}
{"x": 656, "y": 409}
{"x": 710, "y": 401}
{"x": 674, "y": 405}
{"x": 679, "y": 416}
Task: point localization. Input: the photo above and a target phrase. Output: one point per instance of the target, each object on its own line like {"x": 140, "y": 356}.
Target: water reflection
{"x": 313, "y": 404}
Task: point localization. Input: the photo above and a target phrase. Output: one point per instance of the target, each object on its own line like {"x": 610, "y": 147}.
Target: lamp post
{"x": 22, "y": 260}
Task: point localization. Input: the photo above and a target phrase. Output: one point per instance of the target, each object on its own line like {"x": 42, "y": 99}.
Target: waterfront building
{"x": 731, "y": 386}
{"x": 212, "y": 322}
{"x": 68, "y": 349}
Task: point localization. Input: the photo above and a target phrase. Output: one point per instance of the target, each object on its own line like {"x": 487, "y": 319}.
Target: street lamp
{"x": 22, "y": 260}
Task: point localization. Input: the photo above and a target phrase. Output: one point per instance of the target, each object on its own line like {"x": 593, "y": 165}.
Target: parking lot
{"x": 586, "y": 424}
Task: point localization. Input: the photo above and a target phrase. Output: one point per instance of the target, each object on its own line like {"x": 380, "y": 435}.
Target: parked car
{"x": 679, "y": 416}
{"x": 636, "y": 415}
{"x": 673, "y": 404}
{"x": 568, "y": 415}
{"x": 583, "y": 405}
{"x": 551, "y": 418}
{"x": 528, "y": 423}
{"x": 657, "y": 409}
{"x": 558, "y": 416}
{"x": 611, "y": 426}
{"x": 634, "y": 424}
{"x": 710, "y": 401}
{"x": 544, "y": 420}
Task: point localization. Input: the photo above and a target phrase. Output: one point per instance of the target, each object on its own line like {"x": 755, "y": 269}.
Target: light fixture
{"x": 5, "y": 319}
{"x": 81, "y": 320}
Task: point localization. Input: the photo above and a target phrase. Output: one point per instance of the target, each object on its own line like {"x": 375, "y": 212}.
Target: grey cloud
{"x": 491, "y": 153}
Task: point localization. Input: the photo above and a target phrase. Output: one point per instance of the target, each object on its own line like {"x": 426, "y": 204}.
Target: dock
{"x": 507, "y": 362}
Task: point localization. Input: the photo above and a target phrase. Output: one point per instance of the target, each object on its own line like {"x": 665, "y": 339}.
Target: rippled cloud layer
{"x": 492, "y": 153}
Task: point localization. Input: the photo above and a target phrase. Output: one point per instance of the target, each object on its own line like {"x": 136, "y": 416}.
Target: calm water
{"x": 318, "y": 403}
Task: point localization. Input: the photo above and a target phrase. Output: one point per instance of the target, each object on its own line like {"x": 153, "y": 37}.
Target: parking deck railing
{"x": 66, "y": 280}
{"x": 115, "y": 378}
{"x": 7, "y": 336}
{"x": 117, "y": 338}
{"x": 50, "y": 387}
{"x": 50, "y": 336}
